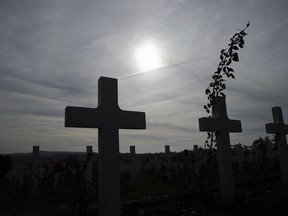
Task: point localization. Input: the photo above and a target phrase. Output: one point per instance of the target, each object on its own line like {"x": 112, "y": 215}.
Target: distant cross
{"x": 196, "y": 153}
{"x": 167, "y": 149}
{"x": 133, "y": 165}
{"x": 280, "y": 129}
{"x": 35, "y": 170}
{"x": 89, "y": 166}
{"x": 108, "y": 118}
{"x": 222, "y": 125}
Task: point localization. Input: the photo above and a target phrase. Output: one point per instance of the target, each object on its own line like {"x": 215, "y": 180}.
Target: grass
{"x": 13, "y": 200}
{"x": 251, "y": 200}
{"x": 148, "y": 186}
{"x": 274, "y": 203}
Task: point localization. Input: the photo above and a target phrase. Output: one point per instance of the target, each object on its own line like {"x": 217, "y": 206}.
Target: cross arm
{"x": 81, "y": 117}
{"x": 276, "y": 128}
{"x": 219, "y": 125}
{"x": 132, "y": 120}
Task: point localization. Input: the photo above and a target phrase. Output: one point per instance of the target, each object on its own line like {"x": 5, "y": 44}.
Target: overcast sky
{"x": 53, "y": 53}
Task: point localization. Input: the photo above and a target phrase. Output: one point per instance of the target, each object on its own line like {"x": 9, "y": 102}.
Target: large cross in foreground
{"x": 108, "y": 118}
{"x": 222, "y": 125}
{"x": 280, "y": 129}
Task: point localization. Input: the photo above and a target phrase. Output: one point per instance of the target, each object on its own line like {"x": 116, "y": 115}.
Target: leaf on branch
{"x": 229, "y": 62}
{"x": 217, "y": 87}
{"x": 235, "y": 35}
{"x": 207, "y": 91}
{"x": 221, "y": 57}
{"x": 230, "y": 69}
{"x": 211, "y": 96}
{"x": 222, "y": 94}
{"x": 230, "y": 52}
{"x": 235, "y": 57}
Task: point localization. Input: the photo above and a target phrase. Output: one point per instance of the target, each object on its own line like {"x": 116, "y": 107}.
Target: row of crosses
{"x": 109, "y": 118}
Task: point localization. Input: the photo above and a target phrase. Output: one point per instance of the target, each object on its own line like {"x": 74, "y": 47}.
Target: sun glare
{"x": 148, "y": 57}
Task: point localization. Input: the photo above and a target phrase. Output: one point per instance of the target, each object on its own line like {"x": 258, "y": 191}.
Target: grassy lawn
{"x": 274, "y": 203}
{"x": 260, "y": 201}
{"x": 14, "y": 200}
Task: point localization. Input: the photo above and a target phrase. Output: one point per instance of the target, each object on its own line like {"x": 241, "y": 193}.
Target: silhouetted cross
{"x": 222, "y": 125}
{"x": 280, "y": 129}
{"x": 35, "y": 170}
{"x": 109, "y": 118}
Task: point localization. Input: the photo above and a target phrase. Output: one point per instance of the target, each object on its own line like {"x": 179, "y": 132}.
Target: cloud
{"x": 52, "y": 54}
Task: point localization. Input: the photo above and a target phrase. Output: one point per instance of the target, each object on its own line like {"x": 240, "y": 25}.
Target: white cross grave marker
{"x": 133, "y": 165}
{"x": 168, "y": 161}
{"x": 35, "y": 169}
{"x": 222, "y": 125}
{"x": 167, "y": 149}
{"x": 108, "y": 118}
{"x": 17, "y": 173}
{"x": 89, "y": 168}
{"x": 280, "y": 129}
{"x": 196, "y": 153}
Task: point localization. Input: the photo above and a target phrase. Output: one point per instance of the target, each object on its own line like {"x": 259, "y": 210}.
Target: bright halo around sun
{"x": 148, "y": 57}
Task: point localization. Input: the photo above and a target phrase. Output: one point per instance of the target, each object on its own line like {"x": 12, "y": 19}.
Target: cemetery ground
{"x": 154, "y": 194}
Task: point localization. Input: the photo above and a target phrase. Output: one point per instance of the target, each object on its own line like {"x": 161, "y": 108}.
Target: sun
{"x": 148, "y": 56}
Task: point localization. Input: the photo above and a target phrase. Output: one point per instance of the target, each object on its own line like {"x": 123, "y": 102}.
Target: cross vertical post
{"x": 89, "y": 167}
{"x": 222, "y": 125}
{"x": 20, "y": 174}
{"x": 280, "y": 129}
{"x": 108, "y": 118}
{"x": 196, "y": 153}
{"x": 167, "y": 149}
{"x": 167, "y": 162}
{"x": 35, "y": 170}
{"x": 133, "y": 165}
